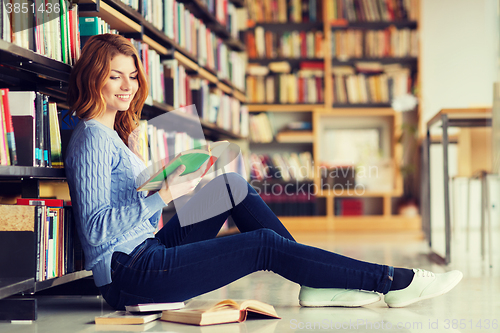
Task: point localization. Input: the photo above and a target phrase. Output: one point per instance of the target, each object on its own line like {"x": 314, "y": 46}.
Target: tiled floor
{"x": 473, "y": 306}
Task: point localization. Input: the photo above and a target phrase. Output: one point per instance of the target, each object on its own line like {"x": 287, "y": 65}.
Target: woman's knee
{"x": 267, "y": 235}
{"x": 238, "y": 186}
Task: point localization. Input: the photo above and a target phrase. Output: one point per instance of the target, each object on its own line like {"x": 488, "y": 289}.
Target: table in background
{"x": 446, "y": 118}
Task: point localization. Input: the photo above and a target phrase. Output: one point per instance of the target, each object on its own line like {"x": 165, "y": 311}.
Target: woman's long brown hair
{"x": 91, "y": 72}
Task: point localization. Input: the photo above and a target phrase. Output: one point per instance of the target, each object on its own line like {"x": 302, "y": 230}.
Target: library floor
{"x": 473, "y": 306}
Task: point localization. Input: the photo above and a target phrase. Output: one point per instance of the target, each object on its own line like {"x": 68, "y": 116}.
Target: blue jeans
{"x": 184, "y": 262}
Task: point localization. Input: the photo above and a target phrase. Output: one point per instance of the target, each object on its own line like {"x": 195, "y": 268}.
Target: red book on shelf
{"x": 189, "y": 98}
{"x": 339, "y": 23}
{"x": 251, "y": 47}
{"x": 390, "y": 9}
{"x": 318, "y": 44}
{"x": 320, "y": 65}
{"x": 145, "y": 58}
{"x": 9, "y": 127}
{"x": 319, "y": 89}
{"x": 352, "y": 207}
{"x": 387, "y": 43}
{"x": 303, "y": 44}
{"x": 71, "y": 15}
{"x": 269, "y": 44}
{"x": 300, "y": 85}
{"x": 40, "y": 202}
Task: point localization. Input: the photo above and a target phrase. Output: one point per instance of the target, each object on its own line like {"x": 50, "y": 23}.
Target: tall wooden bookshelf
{"x": 24, "y": 69}
{"x": 387, "y": 220}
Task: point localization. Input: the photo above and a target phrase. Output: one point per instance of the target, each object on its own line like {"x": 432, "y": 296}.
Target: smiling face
{"x": 121, "y": 85}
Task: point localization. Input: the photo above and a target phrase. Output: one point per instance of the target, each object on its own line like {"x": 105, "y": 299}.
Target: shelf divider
{"x": 113, "y": 17}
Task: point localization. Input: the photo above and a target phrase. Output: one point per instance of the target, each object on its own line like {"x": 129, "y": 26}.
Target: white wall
{"x": 458, "y": 41}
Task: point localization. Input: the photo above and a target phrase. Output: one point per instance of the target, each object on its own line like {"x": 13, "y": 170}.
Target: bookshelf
{"x": 22, "y": 69}
{"x": 348, "y": 34}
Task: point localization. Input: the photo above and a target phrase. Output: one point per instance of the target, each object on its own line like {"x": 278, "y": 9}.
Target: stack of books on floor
{"x": 195, "y": 312}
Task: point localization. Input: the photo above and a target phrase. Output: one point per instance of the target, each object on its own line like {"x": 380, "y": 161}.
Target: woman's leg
{"x": 156, "y": 273}
{"x": 183, "y": 262}
{"x": 226, "y": 195}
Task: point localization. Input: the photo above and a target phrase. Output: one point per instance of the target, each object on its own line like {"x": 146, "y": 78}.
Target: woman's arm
{"x": 102, "y": 215}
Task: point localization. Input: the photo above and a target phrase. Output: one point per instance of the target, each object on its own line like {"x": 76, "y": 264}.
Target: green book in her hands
{"x": 193, "y": 159}
{"x": 210, "y": 312}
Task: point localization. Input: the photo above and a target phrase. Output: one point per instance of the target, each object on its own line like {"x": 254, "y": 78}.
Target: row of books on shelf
{"x": 218, "y": 108}
{"x": 379, "y": 87}
{"x": 264, "y": 130}
{"x": 390, "y": 42}
{"x": 371, "y": 10}
{"x": 285, "y": 88}
{"x": 132, "y": 3}
{"x": 157, "y": 146}
{"x": 165, "y": 15}
{"x": 230, "y": 65}
{"x": 29, "y": 130}
{"x": 30, "y": 124}
{"x": 287, "y": 44}
{"x": 58, "y": 250}
{"x": 154, "y": 69}
{"x": 292, "y": 202}
{"x": 227, "y": 14}
{"x": 94, "y": 25}
{"x": 58, "y": 38}
{"x": 282, "y": 11}
{"x": 285, "y": 166}
{"x": 194, "y": 36}
{"x": 212, "y": 105}
{"x": 169, "y": 83}
{"x": 52, "y": 33}
{"x": 337, "y": 11}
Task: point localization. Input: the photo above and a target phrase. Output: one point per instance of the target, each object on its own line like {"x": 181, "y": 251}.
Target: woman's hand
{"x": 177, "y": 185}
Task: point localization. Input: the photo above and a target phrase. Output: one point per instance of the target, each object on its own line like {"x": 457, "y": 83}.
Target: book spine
{"x": 40, "y": 202}
{"x": 4, "y": 150}
{"x": 89, "y": 26}
{"x": 11, "y": 140}
{"x": 46, "y": 132}
{"x": 55, "y": 137}
{"x": 39, "y": 237}
{"x": 38, "y": 130}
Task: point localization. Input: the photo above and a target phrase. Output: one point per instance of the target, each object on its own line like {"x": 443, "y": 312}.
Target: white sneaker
{"x": 336, "y": 297}
{"x": 424, "y": 285}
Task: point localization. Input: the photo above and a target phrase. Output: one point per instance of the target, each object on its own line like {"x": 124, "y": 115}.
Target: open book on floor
{"x": 193, "y": 159}
{"x": 209, "y": 312}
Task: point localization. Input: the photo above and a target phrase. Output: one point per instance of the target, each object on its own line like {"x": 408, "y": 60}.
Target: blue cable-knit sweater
{"x": 110, "y": 214}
